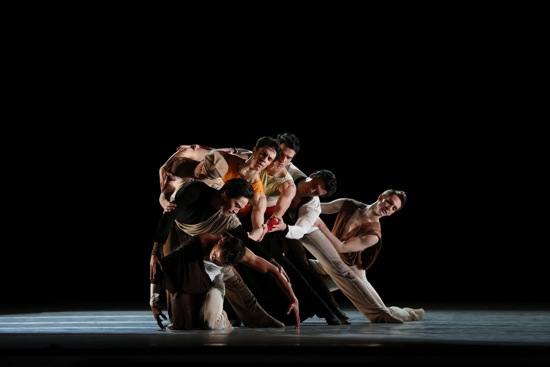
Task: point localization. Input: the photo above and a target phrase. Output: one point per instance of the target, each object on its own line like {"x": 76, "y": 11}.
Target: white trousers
{"x": 211, "y": 312}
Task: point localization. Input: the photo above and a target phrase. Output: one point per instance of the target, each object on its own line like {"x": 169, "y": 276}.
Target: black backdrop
{"x": 460, "y": 239}
{"x": 449, "y": 114}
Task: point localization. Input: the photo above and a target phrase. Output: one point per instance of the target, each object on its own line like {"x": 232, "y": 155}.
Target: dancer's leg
{"x": 244, "y": 303}
{"x": 211, "y": 312}
{"x": 324, "y": 275}
{"x": 403, "y": 313}
{"x": 296, "y": 253}
{"x": 364, "y": 298}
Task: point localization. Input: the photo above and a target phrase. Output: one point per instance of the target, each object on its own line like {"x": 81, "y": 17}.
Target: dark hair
{"x": 329, "y": 179}
{"x": 290, "y": 140}
{"x": 269, "y": 142}
{"x": 399, "y": 193}
{"x": 232, "y": 250}
{"x": 238, "y": 187}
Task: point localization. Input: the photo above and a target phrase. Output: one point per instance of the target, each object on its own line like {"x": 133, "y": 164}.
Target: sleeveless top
{"x": 271, "y": 186}
{"x": 233, "y": 162}
{"x": 365, "y": 258}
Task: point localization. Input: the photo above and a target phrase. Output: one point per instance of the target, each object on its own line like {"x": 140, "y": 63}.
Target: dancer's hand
{"x": 157, "y": 313}
{"x": 296, "y": 309}
{"x": 152, "y": 266}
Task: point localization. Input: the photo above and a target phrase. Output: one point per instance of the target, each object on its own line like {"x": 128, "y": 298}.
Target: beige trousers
{"x": 244, "y": 303}
{"x": 211, "y": 312}
{"x": 357, "y": 289}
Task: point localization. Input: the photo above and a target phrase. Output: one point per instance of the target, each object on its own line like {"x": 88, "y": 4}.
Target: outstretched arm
{"x": 259, "y": 204}
{"x": 309, "y": 213}
{"x": 257, "y": 234}
{"x": 155, "y": 307}
{"x": 333, "y": 206}
{"x": 156, "y": 289}
{"x": 287, "y": 190}
{"x": 263, "y": 266}
{"x": 352, "y": 245}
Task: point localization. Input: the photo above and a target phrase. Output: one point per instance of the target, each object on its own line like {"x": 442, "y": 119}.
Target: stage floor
{"x": 131, "y": 337}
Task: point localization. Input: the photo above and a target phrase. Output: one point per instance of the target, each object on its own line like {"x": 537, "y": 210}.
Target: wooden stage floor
{"x": 122, "y": 336}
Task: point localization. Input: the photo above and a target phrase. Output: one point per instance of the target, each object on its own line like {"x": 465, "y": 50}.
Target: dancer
{"x": 193, "y": 273}
{"x": 357, "y": 236}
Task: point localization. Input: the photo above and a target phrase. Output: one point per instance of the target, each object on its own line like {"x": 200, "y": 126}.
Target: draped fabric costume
{"x": 268, "y": 292}
{"x": 362, "y": 259}
{"x": 271, "y": 188}
{"x": 233, "y": 162}
{"x": 194, "y": 214}
{"x": 349, "y": 273}
{"x": 270, "y": 295}
{"x": 184, "y": 276}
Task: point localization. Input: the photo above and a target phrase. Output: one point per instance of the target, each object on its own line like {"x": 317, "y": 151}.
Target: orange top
{"x": 233, "y": 162}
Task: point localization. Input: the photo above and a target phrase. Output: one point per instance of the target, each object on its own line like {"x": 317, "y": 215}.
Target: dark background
{"x": 452, "y": 113}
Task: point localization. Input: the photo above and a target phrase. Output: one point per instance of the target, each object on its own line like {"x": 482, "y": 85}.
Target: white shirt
{"x": 294, "y": 171}
{"x": 307, "y": 215}
{"x": 212, "y": 269}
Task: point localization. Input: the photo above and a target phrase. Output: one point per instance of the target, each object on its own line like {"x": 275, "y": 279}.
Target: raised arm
{"x": 164, "y": 175}
{"x": 241, "y": 152}
{"x": 195, "y": 152}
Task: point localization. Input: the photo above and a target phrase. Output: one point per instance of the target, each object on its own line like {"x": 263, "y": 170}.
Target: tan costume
{"x": 348, "y": 270}
{"x": 362, "y": 259}
{"x": 194, "y": 215}
{"x": 271, "y": 188}
{"x": 233, "y": 162}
